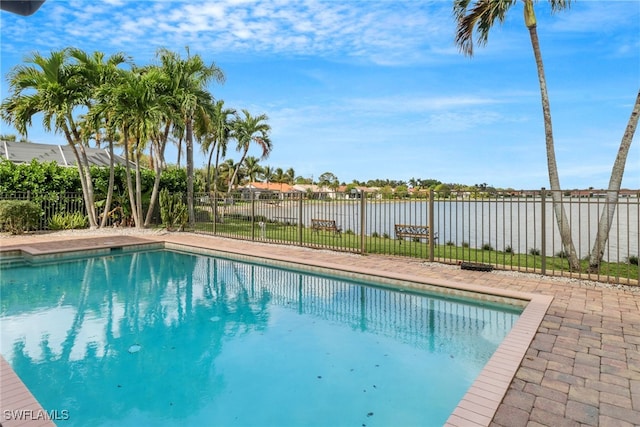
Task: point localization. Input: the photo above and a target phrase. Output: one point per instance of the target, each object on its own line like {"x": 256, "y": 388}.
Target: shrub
{"x": 561, "y": 254}
{"x": 487, "y": 247}
{"x": 18, "y": 216}
{"x": 173, "y": 211}
{"x": 534, "y": 251}
{"x": 508, "y": 249}
{"x": 385, "y": 235}
{"x": 632, "y": 259}
{"x": 375, "y": 234}
{"x": 68, "y": 221}
{"x": 465, "y": 244}
{"x": 450, "y": 243}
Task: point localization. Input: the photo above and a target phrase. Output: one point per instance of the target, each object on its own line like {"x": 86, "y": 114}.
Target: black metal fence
{"x": 514, "y": 230}
{"x": 51, "y": 204}
{"x": 507, "y": 230}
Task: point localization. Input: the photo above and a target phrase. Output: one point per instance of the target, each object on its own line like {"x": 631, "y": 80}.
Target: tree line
{"x": 112, "y": 101}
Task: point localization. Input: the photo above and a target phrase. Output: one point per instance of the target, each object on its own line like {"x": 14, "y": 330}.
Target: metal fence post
{"x": 543, "y": 237}
{"x": 214, "y": 211}
{"x": 431, "y": 232}
{"x": 300, "y": 225}
{"x": 253, "y": 216}
{"x": 363, "y": 206}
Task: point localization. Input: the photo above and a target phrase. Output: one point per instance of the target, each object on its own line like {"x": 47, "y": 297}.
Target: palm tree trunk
{"x": 88, "y": 200}
{"x": 107, "y": 204}
{"x": 237, "y": 168}
{"x": 91, "y": 209}
{"x": 137, "y": 154}
{"x": 215, "y": 185}
{"x": 189, "y": 144}
{"x": 159, "y": 166}
{"x": 132, "y": 200}
{"x": 554, "y": 180}
{"x": 606, "y": 218}
{"x": 209, "y": 168}
{"x": 179, "y": 150}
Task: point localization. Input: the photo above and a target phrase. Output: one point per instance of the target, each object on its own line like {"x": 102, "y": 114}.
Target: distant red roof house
{"x": 280, "y": 187}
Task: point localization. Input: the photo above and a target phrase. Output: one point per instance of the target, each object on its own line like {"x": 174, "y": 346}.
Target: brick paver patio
{"x": 581, "y": 369}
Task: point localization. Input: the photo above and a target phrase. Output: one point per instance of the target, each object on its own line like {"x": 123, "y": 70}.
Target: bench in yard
{"x": 325, "y": 225}
{"x": 414, "y": 232}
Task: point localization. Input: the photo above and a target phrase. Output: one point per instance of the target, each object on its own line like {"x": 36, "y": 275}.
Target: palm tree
{"x": 169, "y": 120}
{"x": 52, "y": 87}
{"x": 247, "y": 130}
{"x": 481, "y": 16}
{"x": 290, "y": 175}
{"x": 252, "y": 168}
{"x": 214, "y": 135}
{"x": 189, "y": 78}
{"x": 99, "y": 73}
{"x": 267, "y": 174}
{"x": 138, "y": 108}
{"x": 279, "y": 176}
{"x": 227, "y": 172}
{"x": 615, "y": 181}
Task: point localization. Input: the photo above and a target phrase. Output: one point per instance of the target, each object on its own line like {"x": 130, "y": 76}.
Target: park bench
{"x": 413, "y": 232}
{"x": 325, "y": 225}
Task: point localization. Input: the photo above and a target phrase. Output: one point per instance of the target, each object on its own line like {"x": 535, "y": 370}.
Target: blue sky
{"x": 377, "y": 89}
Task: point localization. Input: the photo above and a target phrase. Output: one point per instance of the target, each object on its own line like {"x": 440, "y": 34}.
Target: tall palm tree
{"x": 138, "y": 109}
{"x": 99, "y": 73}
{"x": 189, "y": 78}
{"x": 481, "y": 15}
{"x": 170, "y": 125}
{"x": 247, "y": 130}
{"x": 49, "y": 85}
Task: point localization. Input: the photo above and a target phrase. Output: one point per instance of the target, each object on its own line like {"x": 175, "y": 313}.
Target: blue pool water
{"x": 170, "y": 338}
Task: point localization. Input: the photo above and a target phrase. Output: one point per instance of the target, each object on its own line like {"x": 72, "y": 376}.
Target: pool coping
{"x": 476, "y": 408}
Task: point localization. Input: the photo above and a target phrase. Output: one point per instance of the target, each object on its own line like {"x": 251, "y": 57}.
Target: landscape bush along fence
{"x": 505, "y": 230}
{"x": 54, "y": 206}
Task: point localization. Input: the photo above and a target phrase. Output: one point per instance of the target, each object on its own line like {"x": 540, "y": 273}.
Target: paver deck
{"x": 582, "y": 367}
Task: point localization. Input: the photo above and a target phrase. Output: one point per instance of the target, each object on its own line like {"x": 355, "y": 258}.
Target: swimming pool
{"x": 158, "y": 337}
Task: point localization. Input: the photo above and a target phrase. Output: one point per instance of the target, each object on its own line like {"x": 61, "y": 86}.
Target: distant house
{"x": 25, "y": 152}
{"x": 321, "y": 192}
{"x": 267, "y": 190}
{"x": 603, "y": 193}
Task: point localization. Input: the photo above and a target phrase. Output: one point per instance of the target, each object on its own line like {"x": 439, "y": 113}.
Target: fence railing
{"x": 506, "y": 230}
{"x": 514, "y": 231}
{"x": 50, "y": 203}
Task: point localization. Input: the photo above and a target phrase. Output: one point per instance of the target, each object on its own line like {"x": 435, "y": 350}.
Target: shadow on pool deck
{"x": 582, "y": 367}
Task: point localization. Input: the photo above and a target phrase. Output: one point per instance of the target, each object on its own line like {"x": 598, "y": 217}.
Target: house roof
{"x": 270, "y": 186}
{"x": 25, "y": 152}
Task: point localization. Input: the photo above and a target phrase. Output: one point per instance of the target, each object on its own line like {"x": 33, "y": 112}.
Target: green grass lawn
{"x": 347, "y": 241}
